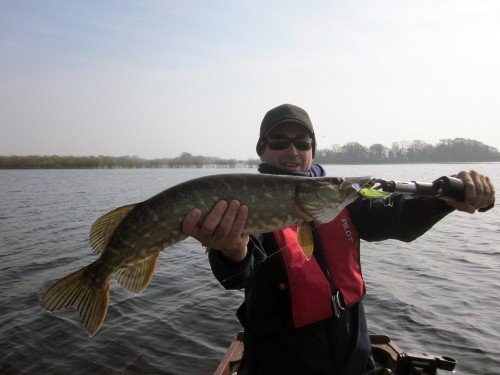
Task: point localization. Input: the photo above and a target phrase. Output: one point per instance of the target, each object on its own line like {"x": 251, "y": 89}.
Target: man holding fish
{"x": 305, "y": 316}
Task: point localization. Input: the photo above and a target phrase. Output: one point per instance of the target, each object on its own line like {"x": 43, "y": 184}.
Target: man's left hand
{"x": 479, "y": 192}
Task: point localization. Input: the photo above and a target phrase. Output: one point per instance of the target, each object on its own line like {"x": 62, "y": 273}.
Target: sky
{"x": 156, "y": 78}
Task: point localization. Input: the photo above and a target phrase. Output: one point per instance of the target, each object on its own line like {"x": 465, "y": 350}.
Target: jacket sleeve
{"x": 236, "y": 275}
{"x": 397, "y": 217}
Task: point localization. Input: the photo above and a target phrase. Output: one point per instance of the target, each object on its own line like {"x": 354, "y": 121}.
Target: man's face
{"x": 290, "y": 159}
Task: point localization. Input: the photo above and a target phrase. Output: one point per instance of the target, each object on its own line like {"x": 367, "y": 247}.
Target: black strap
{"x": 320, "y": 257}
{"x": 338, "y": 303}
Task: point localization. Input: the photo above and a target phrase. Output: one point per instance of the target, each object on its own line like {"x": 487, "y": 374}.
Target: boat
{"x": 389, "y": 358}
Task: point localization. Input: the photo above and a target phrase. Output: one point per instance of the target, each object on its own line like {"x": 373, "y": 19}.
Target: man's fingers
{"x": 222, "y": 228}
{"x": 478, "y": 189}
{"x": 470, "y": 191}
{"x": 226, "y": 223}
{"x": 239, "y": 224}
{"x": 233, "y": 232}
{"x": 479, "y": 192}
{"x": 213, "y": 219}
{"x": 489, "y": 192}
{"x": 190, "y": 223}
{"x": 463, "y": 207}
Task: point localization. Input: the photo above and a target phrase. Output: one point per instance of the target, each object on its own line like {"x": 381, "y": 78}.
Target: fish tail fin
{"x": 78, "y": 290}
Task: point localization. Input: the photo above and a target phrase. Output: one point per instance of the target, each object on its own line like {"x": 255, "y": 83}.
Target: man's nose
{"x": 292, "y": 149}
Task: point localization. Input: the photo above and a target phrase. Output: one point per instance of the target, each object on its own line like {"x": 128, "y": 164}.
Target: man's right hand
{"x": 222, "y": 229}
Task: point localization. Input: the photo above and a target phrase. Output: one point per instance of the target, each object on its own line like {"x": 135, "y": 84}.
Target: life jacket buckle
{"x": 337, "y": 304}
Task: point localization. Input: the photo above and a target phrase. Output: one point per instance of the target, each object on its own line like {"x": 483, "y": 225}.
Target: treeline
{"x": 185, "y": 160}
{"x": 445, "y": 151}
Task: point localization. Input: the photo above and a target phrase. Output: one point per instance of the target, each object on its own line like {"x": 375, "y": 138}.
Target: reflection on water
{"x": 437, "y": 295}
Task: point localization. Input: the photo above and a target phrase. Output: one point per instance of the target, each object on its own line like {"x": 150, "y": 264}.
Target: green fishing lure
{"x": 371, "y": 193}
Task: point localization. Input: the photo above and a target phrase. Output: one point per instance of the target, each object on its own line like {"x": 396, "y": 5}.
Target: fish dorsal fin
{"x": 305, "y": 237}
{"x": 103, "y": 228}
{"x": 136, "y": 276}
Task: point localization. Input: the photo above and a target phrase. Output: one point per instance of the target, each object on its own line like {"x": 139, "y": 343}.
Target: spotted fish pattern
{"x": 129, "y": 238}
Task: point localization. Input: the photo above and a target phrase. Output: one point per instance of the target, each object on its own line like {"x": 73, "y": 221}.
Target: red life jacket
{"x": 309, "y": 288}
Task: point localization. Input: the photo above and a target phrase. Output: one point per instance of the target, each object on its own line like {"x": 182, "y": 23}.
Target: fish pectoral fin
{"x": 136, "y": 276}
{"x": 90, "y": 301}
{"x": 305, "y": 237}
{"x": 103, "y": 228}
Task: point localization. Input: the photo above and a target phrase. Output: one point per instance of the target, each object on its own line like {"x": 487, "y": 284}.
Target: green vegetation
{"x": 185, "y": 160}
{"x": 446, "y": 151}
{"x": 456, "y": 150}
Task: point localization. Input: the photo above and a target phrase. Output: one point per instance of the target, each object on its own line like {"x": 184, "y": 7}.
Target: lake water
{"x": 437, "y": 295}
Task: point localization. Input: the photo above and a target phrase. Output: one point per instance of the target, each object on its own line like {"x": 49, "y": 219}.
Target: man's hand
{"x": 479, "y": 192}
{"x": 222, "y": 229}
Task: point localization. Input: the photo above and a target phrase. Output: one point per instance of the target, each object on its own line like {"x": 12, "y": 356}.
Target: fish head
{"x": 340, "y": 190}
{"x": 322, "y": 199}
{"x": 356, "y": 183}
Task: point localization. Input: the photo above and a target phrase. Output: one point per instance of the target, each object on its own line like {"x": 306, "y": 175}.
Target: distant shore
{"x": 458, "y": 150}
{"x": 55, "y": 162}
{"x": 126, "y": 162}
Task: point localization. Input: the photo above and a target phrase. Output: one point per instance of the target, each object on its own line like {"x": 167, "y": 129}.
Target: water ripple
{"x": 437, "y": 295}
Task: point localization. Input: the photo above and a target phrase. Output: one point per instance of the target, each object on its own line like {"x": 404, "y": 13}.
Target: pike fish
{"x": 130, "y": 238}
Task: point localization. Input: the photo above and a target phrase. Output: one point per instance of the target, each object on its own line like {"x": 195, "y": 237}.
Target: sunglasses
{"x": 282, "y": 143}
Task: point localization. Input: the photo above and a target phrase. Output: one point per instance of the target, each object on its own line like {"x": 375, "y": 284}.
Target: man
{"x": 306, "y": 317}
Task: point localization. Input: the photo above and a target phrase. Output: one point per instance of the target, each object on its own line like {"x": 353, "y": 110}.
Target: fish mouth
{"x": 356, "y": 187}
{"x": 357, "y": 183}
